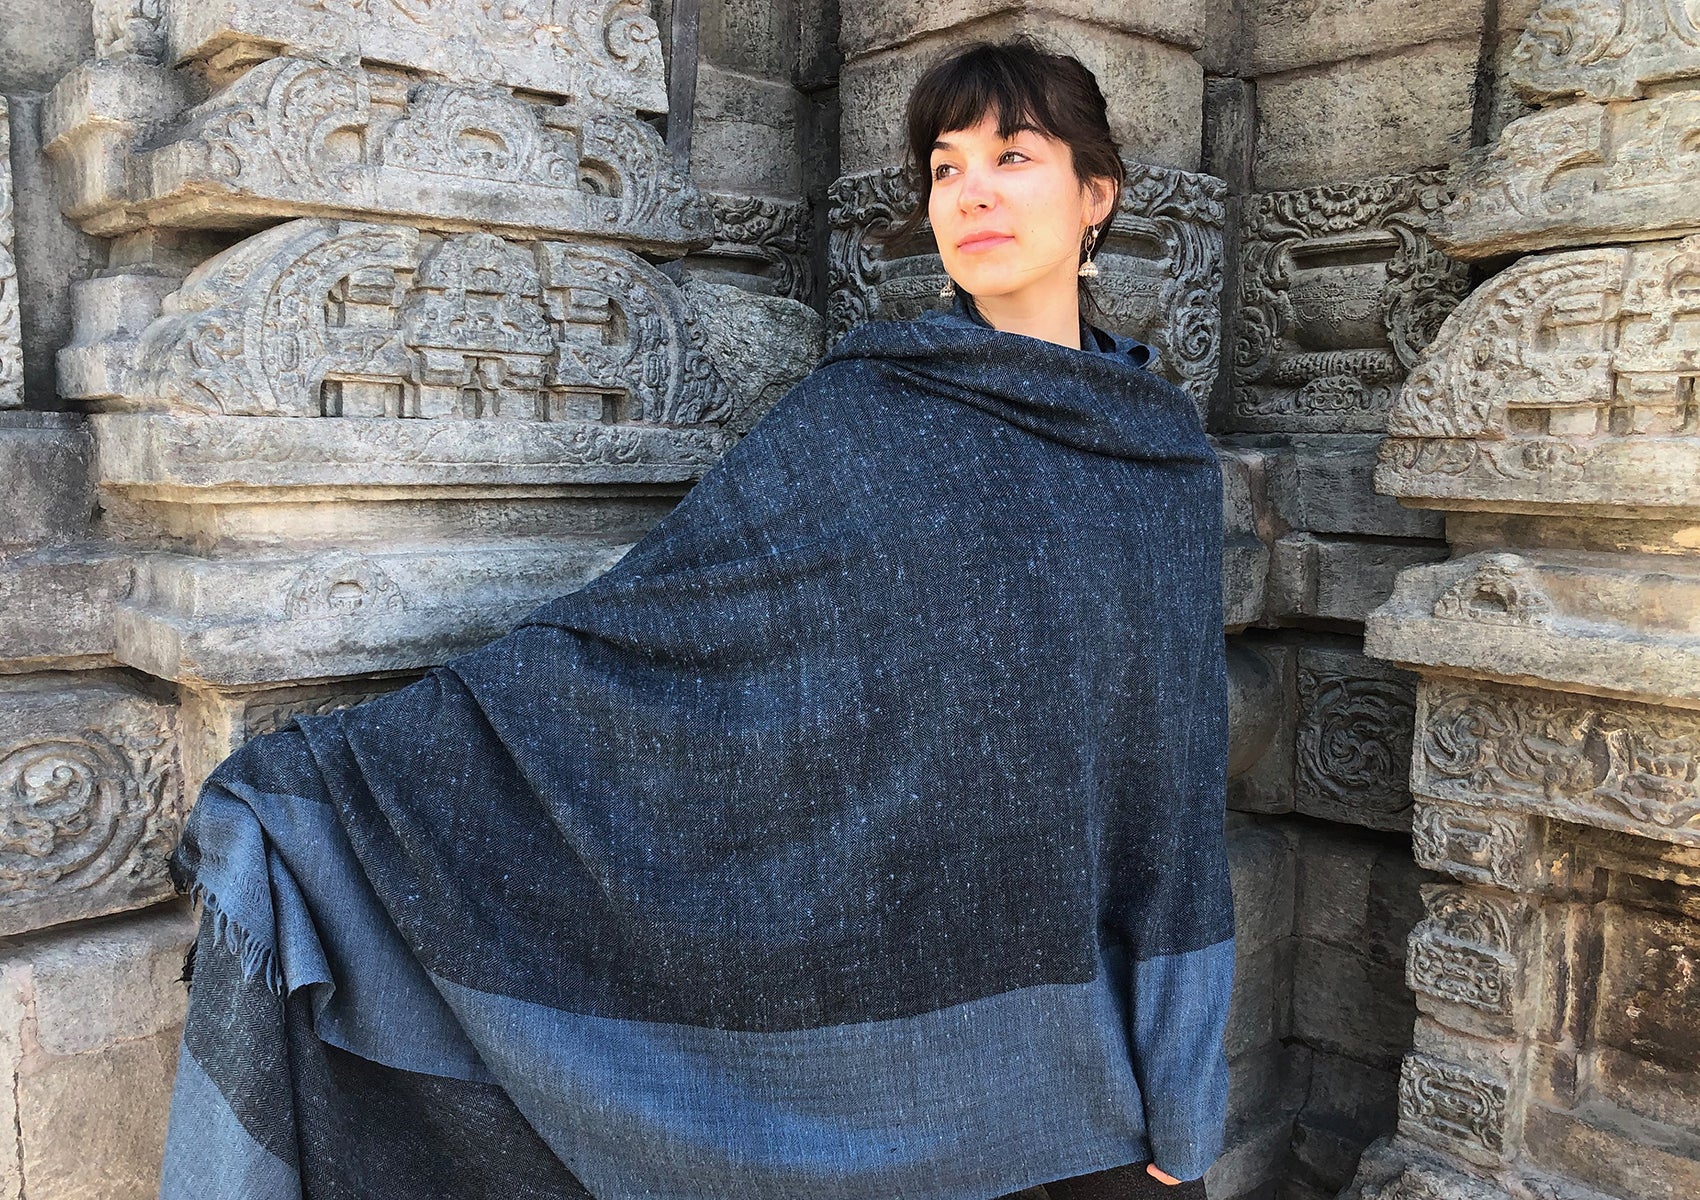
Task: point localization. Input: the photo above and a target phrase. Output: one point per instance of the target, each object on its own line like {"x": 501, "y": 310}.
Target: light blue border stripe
{"x": 962, "y": 1103}
{"x": 208, "y": 1154}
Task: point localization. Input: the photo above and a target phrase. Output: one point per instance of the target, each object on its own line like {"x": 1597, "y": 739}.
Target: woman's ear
{"x": 1103, "y": 196}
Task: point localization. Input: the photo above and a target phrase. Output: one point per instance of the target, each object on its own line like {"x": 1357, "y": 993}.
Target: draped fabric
{"x": 858, "y": 835}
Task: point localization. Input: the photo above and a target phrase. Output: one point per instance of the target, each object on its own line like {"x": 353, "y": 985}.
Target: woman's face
{"x": 1009, "y": 215}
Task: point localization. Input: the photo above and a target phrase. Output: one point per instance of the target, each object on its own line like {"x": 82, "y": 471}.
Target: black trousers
{"x": 1132, "y": 1182}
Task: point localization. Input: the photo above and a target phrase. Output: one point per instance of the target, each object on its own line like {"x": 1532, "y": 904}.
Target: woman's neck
{"x": 1052, "y": 319}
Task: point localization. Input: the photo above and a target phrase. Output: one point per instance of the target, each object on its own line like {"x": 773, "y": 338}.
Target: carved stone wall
{"x": 1556, "y": 754}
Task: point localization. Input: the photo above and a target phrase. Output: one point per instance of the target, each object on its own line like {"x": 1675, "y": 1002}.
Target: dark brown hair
{"x": 1023, "y": 85}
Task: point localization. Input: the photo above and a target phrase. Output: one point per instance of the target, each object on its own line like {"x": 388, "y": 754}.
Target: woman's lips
{"x": 985, "y": 241}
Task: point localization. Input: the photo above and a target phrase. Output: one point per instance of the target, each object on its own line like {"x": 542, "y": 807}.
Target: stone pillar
{"x": 1556, "y": 757}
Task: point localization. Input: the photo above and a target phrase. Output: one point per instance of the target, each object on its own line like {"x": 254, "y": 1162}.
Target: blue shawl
{"x": 858, "y": 835}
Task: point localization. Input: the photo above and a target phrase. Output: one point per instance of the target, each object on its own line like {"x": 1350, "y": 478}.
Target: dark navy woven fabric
{"x": 857, "y": 836}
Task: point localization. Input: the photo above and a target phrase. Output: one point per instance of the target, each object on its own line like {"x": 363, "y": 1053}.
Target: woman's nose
{"x": 974, "y": 191}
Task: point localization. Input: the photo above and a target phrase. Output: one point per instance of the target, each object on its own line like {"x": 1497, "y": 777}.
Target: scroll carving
{"x": 1475, "y": 844}
{"x": 1501, "y": 591}
{"x": 1605, "y": 50}
{"x": 1453, "y": 1103}
{"x": 775, "y": 233}
{"x": 340, "y": 585}
{"x": 1354, "y": 744}
{"x": 1464, "y": 951}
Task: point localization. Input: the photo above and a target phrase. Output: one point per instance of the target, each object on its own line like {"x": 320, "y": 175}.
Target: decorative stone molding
{"x": 299, "y": 137}
{"x": 603, "y": 52}
{"x": 1475, "y": 844}
{"x": 1566, "y": 380}
{"x": 1582, "y": 174}
{"x": 1609, "y": 764}
{"x": 1162, "y": 264}
{"x": 1453, "y": 1106}
{"x": 1353, "y": 749}
{"x": 11, "y": 331}
{"x": 772, "y": 234}
{"x": 325, "y": 319}
{"x": 90, "y": 800}
{"x": 1340, "y": 292}
{"x": 1502, "y": 590}
{"x": 1466, "y": 950}
{"x": 1605, "y": 49}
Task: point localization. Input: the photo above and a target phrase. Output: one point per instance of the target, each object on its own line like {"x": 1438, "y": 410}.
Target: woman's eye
{"x": 1007, "y": 153}
{"x": 938, "y": 170}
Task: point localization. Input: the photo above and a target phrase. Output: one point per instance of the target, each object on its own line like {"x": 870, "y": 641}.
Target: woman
{"x": 857, "y": 836}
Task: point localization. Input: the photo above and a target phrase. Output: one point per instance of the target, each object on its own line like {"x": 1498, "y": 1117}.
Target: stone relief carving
{"x": 1452, "y": 1104}
{"x": 1464, "y": 950}
{"x": 1572, "y": 368}
{"x": 1475, "y": 844}
{"x": 1605, "y": 49}
{"x": 295, "y": 136}
{"x": 1340, "y": 292}
{"x": 320, "y": 318}
{"x": 11, "y": 331}
{"x": 1585, "y": 173}
{"x": 270, "y": 716}
{"x": 129, "y": 29}
{"x": 340, "y": 584}
{"x": 1353, "y": 749}
{"x": 1503, "y": 590}
{"x": 1162, "y": 268}
{"x": 89, "y": 807}
{"x": 774, "y": 233}
{"x": 606, "y": 53}
{"x": 1608, "y": 763}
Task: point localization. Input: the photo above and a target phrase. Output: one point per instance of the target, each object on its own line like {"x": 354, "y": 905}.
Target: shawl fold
{"x": 858, "y": 835}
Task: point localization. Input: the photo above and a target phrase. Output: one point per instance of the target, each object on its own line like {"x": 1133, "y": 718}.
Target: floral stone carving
{"x": 1605, "y": 49}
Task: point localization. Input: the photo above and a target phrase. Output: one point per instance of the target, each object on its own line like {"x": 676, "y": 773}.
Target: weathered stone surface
{"x": 1606, "y": 51}
{"x": 746, "y": 134}
{"x": 1265, "y": 785}
{"x": 1466, "y": 958}
{"x": 1324, "y": 484}
{"x": 1338, "y": 579}
{"x": 44, "y": 462}
{"x": 1340, "y": 292}
{"x": 1563, "y": 382}
{"x": 760, "y": 244}
{"x": 1287, "y": 34}
{"x": 1348, "y": 1004}
{"x": 11, "y": 330}
{"x": 90, "y": 798}
{"x": 299, "y": 137}
{"x": 1623, "y": 625}
{"x": 58, "y": 603}
{"x": 1262, "y": 862}
{"x": 1245, "y": 554}
{"x": 1161, "y": 268}
{"x": 869, "y": 27}
{"x": 1154, "y": 90}
{"x": 89, "y": 1029}
{"x": 1346, "y": 1104}
{"x": 1579, "y": 175}
{"x": 1394, "y": 113}
{"x": 1353, "y": 739}
{"x": 602, "y": 53}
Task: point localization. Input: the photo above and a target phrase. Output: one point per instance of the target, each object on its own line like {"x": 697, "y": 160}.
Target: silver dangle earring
{"x": 948, "y": 291}
{"x": 1089, "y": 269}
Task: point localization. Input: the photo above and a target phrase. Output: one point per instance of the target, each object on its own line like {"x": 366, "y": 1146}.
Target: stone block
{"x": 870, "y": 27}
{"x": 1154, "y": 90}
{"x": 108, "y": 314}
{"x": 1263, "y": 870}
{"x": 1245, "y": 558}
{"x": 1340, "y": 292}
{"x": 754, "y": 37}
{"x": 42, "y": 42}
{"x": 1353, "y": 744}
{"x": 1326, "y": 485}
{"x": 1347, "y": 1106}
{"x": 746, "y": 134}
{"x": 1261, "y": 1009}
{"x": 1349, "y": 1004}
{"x": 1287, "y": 34}
{"x": 44, "y": 459}
{"x": 1161, "y": 268}
{"x": 1266, "y": 785}
{"x": 1574, "y": 176}
{"x": 1393, "y": 113}
{"x": 1358, "y": 891}
{"x": 89, "y": 1028}
{"x": 580, "y": 51}
{"x": 299, "y": 137}
{"x": 58, "y": 602}
{"x": 1465, "y": 959}
{"x": 1610, "y": 625}
{"x": 1339, "y": 579}
{"x": 93, "y": 798}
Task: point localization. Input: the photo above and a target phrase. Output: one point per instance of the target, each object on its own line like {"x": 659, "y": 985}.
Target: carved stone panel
{"x": 603, "y": 52}
{"x": 90, "y": 799}
{"x": 1474, "y": 843}
{"x": 1567, "y": 379}
{"x": 1466, "y": 952}
{"x": 1579, "y": 175}
{"x": 1340, "y": 292}
{"x": 1605, "y": 49}
{"x": 324, "y": 319}
{"x": 299, "y": 137}
{"x": 1453, "y": 1106}
{"x": 1609, "y": 764}
{"x": 1353, "y": 748}
{"x": 759, "y": 243}
{"x": 1161, "y": 267}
